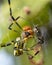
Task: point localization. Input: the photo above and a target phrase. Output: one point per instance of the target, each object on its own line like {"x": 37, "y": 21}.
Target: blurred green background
{"x": 41, "y": 14}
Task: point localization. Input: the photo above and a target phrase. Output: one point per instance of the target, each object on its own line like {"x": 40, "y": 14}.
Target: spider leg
{"x": 8, "y": 44}
{"x": 10, "y": 28}
{"x": 41, "y": 39}
{"x": 14, "y": 19}
{"x": 32, "y": 56}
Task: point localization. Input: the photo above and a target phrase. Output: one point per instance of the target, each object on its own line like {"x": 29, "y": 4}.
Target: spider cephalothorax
{"x": 27, "y": 32}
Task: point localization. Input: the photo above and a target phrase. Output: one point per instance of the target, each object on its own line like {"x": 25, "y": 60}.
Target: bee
{"x": 27, "y": 33}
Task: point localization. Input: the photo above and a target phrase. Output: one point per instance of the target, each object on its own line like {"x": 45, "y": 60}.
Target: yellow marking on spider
{"x": 12, "y": 43}
{"x": 21, "y": 49}
{"x": 30, "y": 36}
{"x": 16, "y": 45}
{"x": 25, "y": 39}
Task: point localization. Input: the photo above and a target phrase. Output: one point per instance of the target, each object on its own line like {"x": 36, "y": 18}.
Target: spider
{"x": 27, "y": 33}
